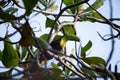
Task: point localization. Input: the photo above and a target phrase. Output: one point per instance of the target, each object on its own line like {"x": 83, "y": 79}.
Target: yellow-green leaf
{"x": 52, "y": 8}
{"x": 94, "y": 61}
{"x": 45, "y": 37}
{"x": 54, "y": 65}
{"x": 69, "y": 29}
{"x": 69, "y": 2}
{"x": 91, "y": 14}
{"x": 72, "y": 37}
{"x": 11, "y": 10}
{"x": 43, "y": 2}
{"x": 49, "y": 23}
{"x": 97, "y": 4}
{"x": 86, "y": 48}
{"x": 80, "y": 6}
{"x": 10, "y": 57}
{"x": 88, "y": 71}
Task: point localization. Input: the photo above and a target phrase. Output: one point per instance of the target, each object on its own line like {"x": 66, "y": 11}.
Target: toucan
{"x": 57, "y": 44}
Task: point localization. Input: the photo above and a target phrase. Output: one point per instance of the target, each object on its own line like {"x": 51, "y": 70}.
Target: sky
{"x": 86, "y": 31}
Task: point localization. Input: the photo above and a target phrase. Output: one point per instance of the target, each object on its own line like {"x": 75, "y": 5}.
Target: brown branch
{"x": 8, "y": 36}
{"x": 6, "y": 77}
{"x": 80, "y": 71}
{"x": 59, "y": 28}
{"x": 101, "y": 21}
{"x": 62, "y": 62}
{"x": 95, "y": 68}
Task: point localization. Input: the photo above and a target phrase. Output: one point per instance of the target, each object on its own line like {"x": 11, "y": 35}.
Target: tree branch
{"x": 61, "y": 12}
{"x": 108, "y": 21}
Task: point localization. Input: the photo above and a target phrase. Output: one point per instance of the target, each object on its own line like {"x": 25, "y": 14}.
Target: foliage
{"x": 10, "y": 57}
{"x": 26, "y": 52}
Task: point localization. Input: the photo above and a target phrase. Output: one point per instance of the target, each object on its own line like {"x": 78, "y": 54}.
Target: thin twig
{"x": 59, "y": 28}
{"x": 111, "y": 31}
{"x": 112, "y": 37}
{"x": 68, "y": 15}
{"x": 80, "y": 71}
{"x": 108, "y": 21}
{"x": 60, "y": 60}
{"x": 6, "y": 77}
{"x": 30, "y": 52}
{"x": 61, "y": 5}
{"x": 8, "y": 36}
{"x": 95, "y": 68}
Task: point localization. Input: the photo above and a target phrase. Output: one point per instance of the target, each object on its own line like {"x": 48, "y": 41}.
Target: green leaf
{"x": 95, "y": 15}
{"x": 45, "y": 37}
{"x": 50, "y": 3}
{"x": 54, "y": 65}
{"x": 74, "y": 9}
{"x": 29, "y": 5}
{"x": 94, "y": 61}
{"x": 6, "y": 16}
{"x": 68, "y": 37}
{"x": 43, "y": 2}
{"x": 1, "y": 54}
{"x": 69, "y": 2}
{"x": 72, "y": 37}
{"x": 83, "y": 17}
{"x": 88, "y": 71}
{"x": 10, "y": 57}
{"x": 11, "y": 10}
{"x": 86, "y": 48}
{"x": 67, "y": 71}
{"x": 97, "y": 4}
{"x": 49, "y": 23}
{"x": 80, "y": 6}
{"x": 3, "y": 3}
{"x": 56, "y": 74}
{"x": 52, "y": 8}
{"x": 69, "y": 29}
{"x": 92, "y": 14}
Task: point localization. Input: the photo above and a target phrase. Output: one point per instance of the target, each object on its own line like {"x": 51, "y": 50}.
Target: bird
{"x": 57, "y": 45}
